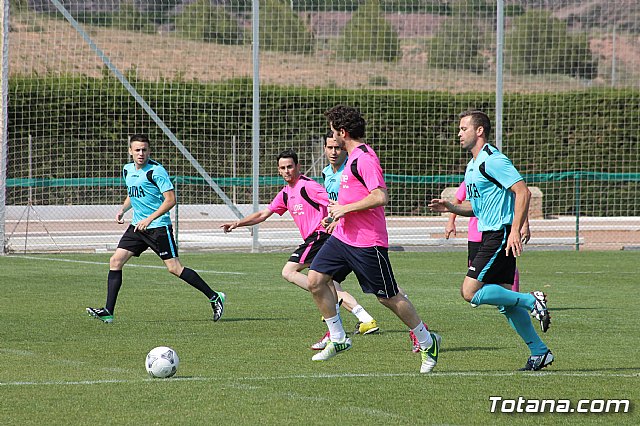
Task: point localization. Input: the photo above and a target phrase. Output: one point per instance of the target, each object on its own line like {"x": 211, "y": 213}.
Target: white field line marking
{"x": 88, "y": 262}
{"x": 535, "y": 375}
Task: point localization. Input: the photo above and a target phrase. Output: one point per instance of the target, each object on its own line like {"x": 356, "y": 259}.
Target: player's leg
{"x": 520, "y": 321}
{"x": 375, "y": 276}
{"x": 130, "y": 245}
{"x": 301, "y": 258}
{"x": 366, "y": 323}
{"x": 490, "y": 269}
{"x": 325, "y": 265}
{"x": 516, "y": 281}
{"x": 291, "y": 272}
{"x": 163, "y": 243}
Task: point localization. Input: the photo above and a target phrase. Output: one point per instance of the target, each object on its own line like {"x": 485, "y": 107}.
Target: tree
{"x": 458, "y": 44}
{"x": 282, "y": 30}
{"x": 368, "y": 36}
{"x": 537, "y": 43}
{"x": 202, "y": 21}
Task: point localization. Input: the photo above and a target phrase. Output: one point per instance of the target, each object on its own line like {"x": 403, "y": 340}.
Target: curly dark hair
{"x": 347, "y": 118}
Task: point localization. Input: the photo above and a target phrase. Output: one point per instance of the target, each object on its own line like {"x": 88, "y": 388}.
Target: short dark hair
{"x": 139, "y": 138}
{"x": 478, "y": 119}
{"x": 328, "y": 135}
{"x": 288, "y": 153}
{"x": 347, "y": 118}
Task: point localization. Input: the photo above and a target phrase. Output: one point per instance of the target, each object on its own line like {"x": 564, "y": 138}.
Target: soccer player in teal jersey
{"x": 500, "y": 200}
{"x": 337, "y": 159}
{"x": 151, "y": 195}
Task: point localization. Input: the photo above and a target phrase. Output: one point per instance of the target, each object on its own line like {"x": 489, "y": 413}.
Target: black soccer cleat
{"x": 217, "y": 304}
{"x": 538, "y": 362}
{"x": 102, "y": 314}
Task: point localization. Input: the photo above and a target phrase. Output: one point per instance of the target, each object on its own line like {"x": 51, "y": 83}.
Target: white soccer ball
{"x": 162, "y": 362}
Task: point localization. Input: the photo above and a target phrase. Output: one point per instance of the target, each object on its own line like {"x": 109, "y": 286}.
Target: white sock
{"x": 423, "y": 336}
{"x": 361, "y": 314}
{"x": 338, "y": 308}
{"x": 336, "y": 331}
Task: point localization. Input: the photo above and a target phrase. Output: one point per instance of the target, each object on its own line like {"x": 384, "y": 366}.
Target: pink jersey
{"x": 307, "y": 202}
{"x": 362, "y": 174}
{"x": 473, "y": 234}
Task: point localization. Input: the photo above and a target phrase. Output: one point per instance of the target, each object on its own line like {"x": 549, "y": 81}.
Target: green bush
{"x": 458, "y": 44}
{"x": 368, "y": 36}
{"x": 550, "y": 137}
{"x": 282, "y": 30}
{"x": 129, "y": 18}
{"x": 204, "y": 22}
{"x": 537, "y": 43}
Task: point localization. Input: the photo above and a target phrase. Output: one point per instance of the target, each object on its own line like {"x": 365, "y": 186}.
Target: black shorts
{"x": 160, "y": 240}
{"x": 472, "y": 250}
{"x": 491, "y": 265}
{"x": 307, "y": 251}
{"x": 370, "y": 264}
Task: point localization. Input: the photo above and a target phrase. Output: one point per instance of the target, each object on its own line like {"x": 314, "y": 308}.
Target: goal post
{"x": 4, "y": 84}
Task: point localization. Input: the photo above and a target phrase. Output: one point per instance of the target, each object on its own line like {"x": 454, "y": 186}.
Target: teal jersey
{"x": 488, "y": 179}
{"x": 332, "y": 180}
{"x": 145, "y": 187}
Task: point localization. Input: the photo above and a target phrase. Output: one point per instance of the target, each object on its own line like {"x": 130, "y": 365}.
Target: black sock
{"x": 114, "y": 281}
{"x": 190, "y": 276}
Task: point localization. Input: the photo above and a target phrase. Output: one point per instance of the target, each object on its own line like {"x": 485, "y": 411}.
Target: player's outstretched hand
{"x": 228, "y": 227}
{"x": 120, "y": 217}
{"x": 439, "y": 205}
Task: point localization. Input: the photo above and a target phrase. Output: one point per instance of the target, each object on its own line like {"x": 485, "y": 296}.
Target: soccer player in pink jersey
{"x": 307, "y": 201}
{"x": 359, "y": 242}
{"x": 474, "y": 236}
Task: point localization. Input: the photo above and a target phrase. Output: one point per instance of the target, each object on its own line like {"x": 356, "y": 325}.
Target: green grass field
{"x": 59, "y": 366}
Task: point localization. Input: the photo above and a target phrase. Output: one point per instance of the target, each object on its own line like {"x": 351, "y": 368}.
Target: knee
{"x": 287, "y": 275}
{"x": 175, "y": 270}
{"x": 384, "y": 301}
{"x": 115, "y": 263}
{"x": 315, "y": 281}
{"x": 467, "y": 295}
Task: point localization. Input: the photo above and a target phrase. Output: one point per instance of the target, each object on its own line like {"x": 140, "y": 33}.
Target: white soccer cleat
{"x": 540, "y": 311}
{"x": 430, "y": 356}
{"x": 332, "y": 349}
{"x": 322, "y": 343}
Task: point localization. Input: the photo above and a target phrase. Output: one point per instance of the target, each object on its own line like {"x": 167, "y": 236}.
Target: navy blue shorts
{"x": 491, "y": 265}
{"x": 370, "y": 264}
{"x": 307, "y": 251}
{"x": 160, "y": 240}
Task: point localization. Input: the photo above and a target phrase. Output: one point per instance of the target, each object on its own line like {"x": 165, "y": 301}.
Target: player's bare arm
{"x": 450, "y": 227}
{"x": 252, "y": 219}
{"x": 377, "y": 197}
{"x": 443, "y": 206}
{"x": 168, "y": 203}
{"x": 525, "y": 231}
{"x": 523, "y": 196}
{"x": 126, "y": 206}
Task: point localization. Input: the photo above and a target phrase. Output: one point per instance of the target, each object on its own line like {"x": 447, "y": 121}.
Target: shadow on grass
{"x": 221, "y": 320}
